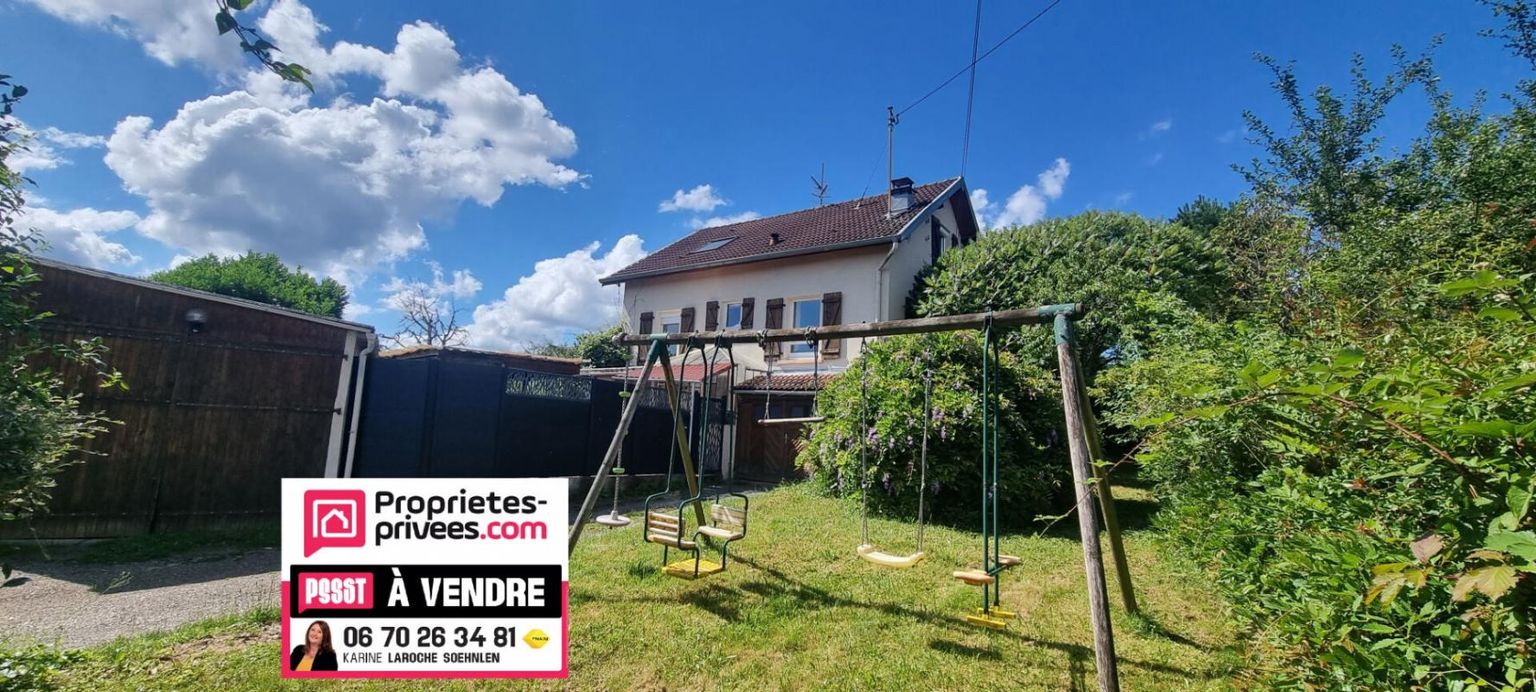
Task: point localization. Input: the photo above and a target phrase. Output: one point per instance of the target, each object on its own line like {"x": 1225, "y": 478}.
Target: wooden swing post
{"x": 1087, "y": 515}
{"x": 613, "y": 451}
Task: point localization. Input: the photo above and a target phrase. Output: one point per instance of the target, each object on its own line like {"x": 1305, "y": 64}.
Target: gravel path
{"x": 77, "y": 605}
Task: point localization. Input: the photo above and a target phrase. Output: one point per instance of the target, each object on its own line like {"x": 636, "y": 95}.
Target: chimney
{"x": 901, "y": 195}
{"x": 773, "y": 239}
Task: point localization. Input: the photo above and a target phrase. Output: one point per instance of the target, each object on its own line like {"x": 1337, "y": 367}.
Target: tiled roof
{"x": 797, "y": 382}
{"x": 844, "y": 224}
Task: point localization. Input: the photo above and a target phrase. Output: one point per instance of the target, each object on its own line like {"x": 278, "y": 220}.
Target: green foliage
{"x": 598, "y": 349}
{"x": 42, "y": 426}
{"x": 1367, "y": 506}
{"x": 34, "y": 667}
{"x": 262, "y": 278}
{"x": 1033, "y": 475}
{"x": 1097, "y": 258}
{"x": 257, "y": 46}
{"x": 1351, "y": 448}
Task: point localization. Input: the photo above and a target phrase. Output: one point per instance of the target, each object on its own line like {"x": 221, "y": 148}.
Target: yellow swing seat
{"x": 872, "y": 554}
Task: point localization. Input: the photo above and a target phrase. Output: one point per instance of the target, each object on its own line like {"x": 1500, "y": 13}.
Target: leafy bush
{"x": 1096, "y": 258}
{"x": 261, "y": 277}
{"x": 41, "y": 423}
{"x": 1367, "y": 507}
{"x": 1034, "y": 471}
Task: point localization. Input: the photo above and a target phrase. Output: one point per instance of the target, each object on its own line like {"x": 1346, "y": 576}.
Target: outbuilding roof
{"x": 863, "y": 221}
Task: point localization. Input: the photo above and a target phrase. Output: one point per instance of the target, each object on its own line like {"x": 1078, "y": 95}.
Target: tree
{"x": 594, "y": 348}
{"x": 261, "y": 277}
{"x": 1101, "y": 259}
{"x": 1203, "y": 214}
{"x": 598, "y": 349}
{"x": 42, "y": 425}
{"x": 427, "y": 320}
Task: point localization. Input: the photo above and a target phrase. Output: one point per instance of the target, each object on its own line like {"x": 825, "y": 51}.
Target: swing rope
{"x": 864, "y": 439}
{"x": 867, "y": 550}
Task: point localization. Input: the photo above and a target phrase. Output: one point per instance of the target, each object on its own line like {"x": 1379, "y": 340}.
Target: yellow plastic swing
{"x": 868, "y": 551}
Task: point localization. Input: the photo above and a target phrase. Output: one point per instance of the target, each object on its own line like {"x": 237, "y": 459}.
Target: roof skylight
{"x": 712, "y": 245}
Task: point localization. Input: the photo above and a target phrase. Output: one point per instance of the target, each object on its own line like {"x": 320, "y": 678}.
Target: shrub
{"x": 1034, "y": 470}
{"x": 1366, "y": 504}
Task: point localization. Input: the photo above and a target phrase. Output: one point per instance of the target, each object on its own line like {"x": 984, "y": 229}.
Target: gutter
{"x": 358, "y": 378}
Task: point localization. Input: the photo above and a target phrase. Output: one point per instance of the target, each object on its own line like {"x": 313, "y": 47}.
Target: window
{"x": 807, "y": 314}
{"x": 732, "y": 316}
{"x": 671, "y": 323}
{"x": 712, "y": 245}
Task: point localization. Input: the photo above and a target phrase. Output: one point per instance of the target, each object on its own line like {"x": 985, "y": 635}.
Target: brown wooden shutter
{"x": 646, "y": 319}
{"x": 711, "y": 315}
{"x": 687, "y": 321}
{"x": 831, "y": 313}
{"x": 746, "y": 312}
{"x": 775, "y": 321}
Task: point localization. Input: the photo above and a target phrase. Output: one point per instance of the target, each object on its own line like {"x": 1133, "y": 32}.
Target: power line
{"x": 983, "y": 56}
{"x": 970, "y": 96}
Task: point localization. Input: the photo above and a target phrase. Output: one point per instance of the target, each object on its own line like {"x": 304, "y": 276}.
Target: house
{"x": 847, "y": 262}
{"x": 225, "y": 397}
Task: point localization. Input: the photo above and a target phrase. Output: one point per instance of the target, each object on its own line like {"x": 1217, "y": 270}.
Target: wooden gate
{"x": 767, "y": 452}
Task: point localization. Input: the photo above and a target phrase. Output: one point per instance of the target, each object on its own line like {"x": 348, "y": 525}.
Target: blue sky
{"x": 503, "y": 155}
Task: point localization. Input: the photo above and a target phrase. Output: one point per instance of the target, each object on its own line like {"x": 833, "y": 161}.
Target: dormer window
{"x": 712, "y": 245}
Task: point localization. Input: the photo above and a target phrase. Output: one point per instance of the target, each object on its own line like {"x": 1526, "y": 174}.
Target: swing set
{"x": 722, "y": 520}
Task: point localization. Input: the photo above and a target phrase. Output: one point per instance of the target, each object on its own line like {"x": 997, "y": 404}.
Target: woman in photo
{"x": 316, "y": 652}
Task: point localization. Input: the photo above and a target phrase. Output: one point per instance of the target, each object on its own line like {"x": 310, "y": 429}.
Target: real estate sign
{"x": 425, "y": 577}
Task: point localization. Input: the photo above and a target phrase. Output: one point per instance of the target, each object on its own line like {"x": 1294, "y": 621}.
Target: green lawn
{"x": 796, "y": 609}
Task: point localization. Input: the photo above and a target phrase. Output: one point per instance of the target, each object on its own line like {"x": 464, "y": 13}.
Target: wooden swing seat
{"x": 664, "y": 529}
{"x": 974, "y": 577}
{"x": 872, "y": 554}
{"x": 1008, "y": 560}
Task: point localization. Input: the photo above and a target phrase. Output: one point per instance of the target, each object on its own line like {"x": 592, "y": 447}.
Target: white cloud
{"x": 172, "y": 31}
{"x": 1122, "y": 198}
{"x": 1155, "y": 159}
{"x": 701, "y": 198}
{"x": 343, "y": 187}
{"x": 355, "y": 311}
{"x": 462, "y": 284}
{"x": 40, "y": 150}
{"x": 1027, "y": 204}
{"x": 1160, "y": 127}
{"x": 726, "y": 220}
{"x": 1231, "y": 135}
{"x": 79, "y": 235}
{"x": 561, "y": 297}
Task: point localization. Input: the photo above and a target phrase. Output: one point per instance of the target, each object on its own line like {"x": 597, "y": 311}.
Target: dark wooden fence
{"x": 211, "y": 420}
{"x": 447, "y": 418}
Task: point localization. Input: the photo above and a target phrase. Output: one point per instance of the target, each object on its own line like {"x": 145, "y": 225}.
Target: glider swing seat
{"x": 867, "y": 550}
{"x": 993, "y": 562}
{"x": 725, "y": 521}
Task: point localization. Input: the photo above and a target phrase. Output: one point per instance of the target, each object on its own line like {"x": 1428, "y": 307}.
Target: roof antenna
{"x": 821, "y": 186}
{"x": 890, "y": 147}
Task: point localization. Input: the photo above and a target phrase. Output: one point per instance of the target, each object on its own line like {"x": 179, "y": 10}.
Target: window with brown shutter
{"x": 646, "y": 319}
{"x": 831, "y": 314}
{"x": 711, "y": 315}
{"x": 746, "y": 312}
{"x": 775, "y": 321}
{"x": 687, "y": 321}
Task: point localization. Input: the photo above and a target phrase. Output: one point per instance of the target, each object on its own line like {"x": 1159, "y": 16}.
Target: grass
{"x": 796, "y": 609}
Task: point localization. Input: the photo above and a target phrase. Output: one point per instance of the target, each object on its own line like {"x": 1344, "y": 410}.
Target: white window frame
{"x": 725, "y": 321}
{"x": 662, "y": 317}
{"x": 800, "y": 350}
